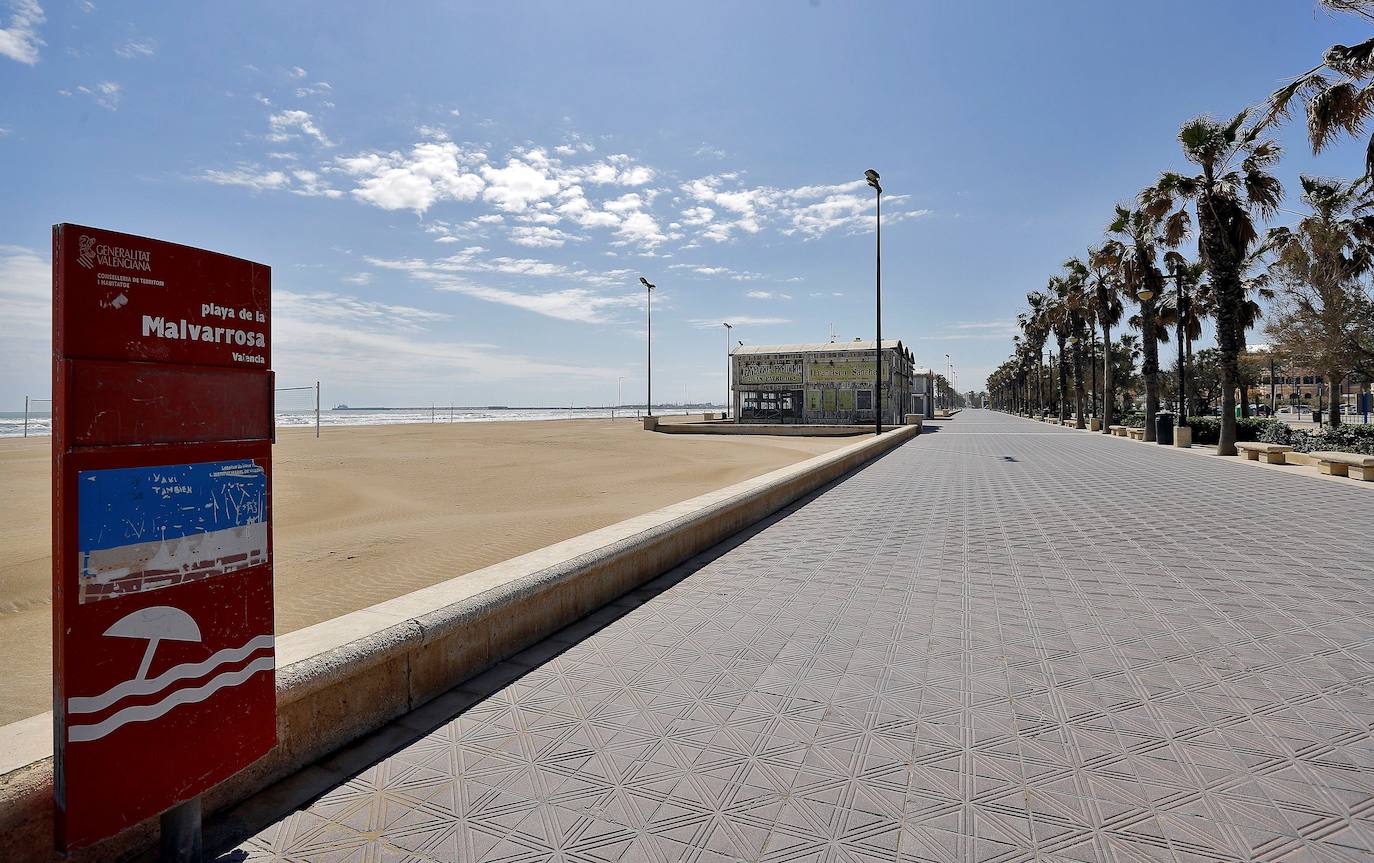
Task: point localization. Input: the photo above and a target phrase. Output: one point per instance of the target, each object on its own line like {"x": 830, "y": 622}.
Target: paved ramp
{"x": 1004, "y": 641}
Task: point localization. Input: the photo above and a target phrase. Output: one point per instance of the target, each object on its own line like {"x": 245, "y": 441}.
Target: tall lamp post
{"x": 648, "y": 347}
{"x": 727, "y": 369}
{"x": 947, "y": 383}
{"x": 872, "y": 177}
{"x": 1182, "y": 311}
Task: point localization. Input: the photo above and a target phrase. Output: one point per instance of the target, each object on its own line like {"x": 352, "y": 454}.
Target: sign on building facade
{"x": 163, "y": 660}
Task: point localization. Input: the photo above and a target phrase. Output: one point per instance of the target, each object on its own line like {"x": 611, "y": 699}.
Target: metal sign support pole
{"x": 182, "y": 838}
{"x": 317, "y": 409}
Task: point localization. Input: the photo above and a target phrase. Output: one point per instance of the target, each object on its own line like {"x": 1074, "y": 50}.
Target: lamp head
{"x": 1145, "y": 295}
{"x": 872, "y": 177}
{"x": 645, "y": 282}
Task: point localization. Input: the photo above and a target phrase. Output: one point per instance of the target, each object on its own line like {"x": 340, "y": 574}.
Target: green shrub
{"x": 1207, "y": 430}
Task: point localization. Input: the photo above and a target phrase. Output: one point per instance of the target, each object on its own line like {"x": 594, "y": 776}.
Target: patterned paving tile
{"x": 1001, "y": 642}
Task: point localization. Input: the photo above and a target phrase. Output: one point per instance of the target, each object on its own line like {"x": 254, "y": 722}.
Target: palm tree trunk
{"x": 1108, "y": 395}
{"x": 1063, "y": 382}
{"x": 1150, "y": 368}
{"x": 1078, "y": 384}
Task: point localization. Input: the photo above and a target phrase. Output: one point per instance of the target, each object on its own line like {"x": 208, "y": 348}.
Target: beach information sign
{"x": 163, "y": 659}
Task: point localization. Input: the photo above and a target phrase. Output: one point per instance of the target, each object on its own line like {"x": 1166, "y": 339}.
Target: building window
{"x": 865, "y": 400}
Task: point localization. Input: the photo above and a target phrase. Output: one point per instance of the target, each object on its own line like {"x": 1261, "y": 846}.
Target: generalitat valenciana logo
{"x": 87, "y": 255}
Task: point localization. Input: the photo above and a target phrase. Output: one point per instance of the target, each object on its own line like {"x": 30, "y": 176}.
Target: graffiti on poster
{"x": 146, "y": 528}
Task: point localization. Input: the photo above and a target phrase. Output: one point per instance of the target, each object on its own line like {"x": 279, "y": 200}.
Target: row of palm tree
{"x": 1222, "y": 199}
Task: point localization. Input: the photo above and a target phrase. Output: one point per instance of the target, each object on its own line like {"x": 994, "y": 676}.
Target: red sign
{"x": 163, "y": 657}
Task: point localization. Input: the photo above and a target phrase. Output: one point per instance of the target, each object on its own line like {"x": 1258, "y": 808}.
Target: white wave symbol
{"x": 82, "y": 733}
{"x": 93, "y": 703}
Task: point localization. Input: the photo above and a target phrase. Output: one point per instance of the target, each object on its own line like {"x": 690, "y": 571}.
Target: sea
{"x": 40, "y": 423}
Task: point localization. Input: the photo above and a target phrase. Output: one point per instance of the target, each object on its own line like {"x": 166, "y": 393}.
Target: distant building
{"x": 828, "y": 383}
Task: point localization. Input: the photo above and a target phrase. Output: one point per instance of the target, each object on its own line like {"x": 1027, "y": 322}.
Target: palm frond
{"x": 1356, "y": 61}
{"x": 1177, "y": 226}
{"x": 1338, "y": 107}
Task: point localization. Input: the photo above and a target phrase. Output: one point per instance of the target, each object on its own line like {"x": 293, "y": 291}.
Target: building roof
{"x": 894, "y": 344}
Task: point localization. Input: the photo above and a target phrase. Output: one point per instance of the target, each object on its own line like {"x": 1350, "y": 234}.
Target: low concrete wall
{"x": 344, "y": 677}
{"x": 720, "y": 427}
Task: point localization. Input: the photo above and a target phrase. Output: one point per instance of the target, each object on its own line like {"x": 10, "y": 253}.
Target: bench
{"x": 1135, "y": 433}
{"x": 1269, "y": 453}
{"x": 1349, "y": 464}
{"x": 1117, "y": 431}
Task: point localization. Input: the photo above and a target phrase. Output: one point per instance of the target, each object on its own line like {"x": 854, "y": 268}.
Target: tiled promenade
{"x": 1003, "y": 642}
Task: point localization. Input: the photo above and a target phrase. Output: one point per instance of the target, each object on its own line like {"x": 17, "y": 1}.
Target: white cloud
{"x": 310, "y": 184}
{"x": 516, "y": 186}
{"x": 135, "y": 48}
{"x": 579, "y": 305}
{"x": 329, "y": 347}
{"x": 737, "y": 275}
{"x": 298, "y": 72}
{"x": 326, "y": 305}
{"x": 318, "y": 88}
{"x": 540, "y": 236}
{"x": 472, "y": 260}
{"x": 19, "y": 39}
{"x": 434, "y": 171}
{"x": 739, "y": 321}
{"x": 739, "y": 209}
{"x": 249, "y": 176}
{"x": 287, "y": 125}
{"x": 768, "y": 295}
{"x": 25, "y": 292}
{"x": 105, "y": 94}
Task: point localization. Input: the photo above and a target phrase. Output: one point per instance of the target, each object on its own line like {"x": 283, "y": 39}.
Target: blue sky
{"x": 457, "y": 199}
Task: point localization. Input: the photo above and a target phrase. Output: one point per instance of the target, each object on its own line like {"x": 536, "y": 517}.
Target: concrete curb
{"x": 345, "y": 677}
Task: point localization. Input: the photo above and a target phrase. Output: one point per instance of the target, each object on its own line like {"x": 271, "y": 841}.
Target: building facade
{"x": 829, "y": 383}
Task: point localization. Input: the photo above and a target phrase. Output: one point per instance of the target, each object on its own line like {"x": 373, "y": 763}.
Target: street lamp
{"x": 648, "y": 347}
{"x": 872, "y": 177}
{"x": 727, "y": 368}
{"x": 947, "y": 366}
{"x": 1182, "y": 419}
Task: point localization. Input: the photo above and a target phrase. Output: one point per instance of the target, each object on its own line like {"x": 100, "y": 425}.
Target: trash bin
{"x": 1317, "y": 416}
{"x": 1164, "y": 428}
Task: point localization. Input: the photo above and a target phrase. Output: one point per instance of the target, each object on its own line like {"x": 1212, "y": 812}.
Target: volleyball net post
{"x": 316, "y": 389}
{"x": 28, "y": 402}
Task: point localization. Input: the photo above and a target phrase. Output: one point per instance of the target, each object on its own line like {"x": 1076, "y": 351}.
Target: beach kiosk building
{"x": 827, "y": 383}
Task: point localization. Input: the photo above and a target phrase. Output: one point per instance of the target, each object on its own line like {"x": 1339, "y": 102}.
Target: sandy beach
{"x": 365, "y": 514}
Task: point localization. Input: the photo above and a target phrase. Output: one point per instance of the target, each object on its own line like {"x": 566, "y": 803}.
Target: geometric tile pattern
{"x": 1001, "y": 642}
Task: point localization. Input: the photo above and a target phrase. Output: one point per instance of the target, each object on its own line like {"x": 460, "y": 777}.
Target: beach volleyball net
{"x": 297, "y": 406}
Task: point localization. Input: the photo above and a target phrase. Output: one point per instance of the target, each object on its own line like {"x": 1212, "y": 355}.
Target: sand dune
{"x": 369, "y": 513}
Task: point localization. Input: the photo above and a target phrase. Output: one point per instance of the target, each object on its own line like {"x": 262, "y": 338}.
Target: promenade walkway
{"x": 1004, "y": 641}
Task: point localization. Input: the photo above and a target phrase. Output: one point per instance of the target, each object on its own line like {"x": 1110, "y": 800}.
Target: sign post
{"x": 163, "y": 651}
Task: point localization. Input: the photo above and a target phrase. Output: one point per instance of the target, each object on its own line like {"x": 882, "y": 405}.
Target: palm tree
{"x": 1074, "y": 304}
{"x": 1139, "y": 235}
{"x": 1342, "y": 105}
{"x": 1035, "y": 326}
{"x": 1057, "y": 316}
{"x": 1233, "y": 188}
{"x": 1104, "y": 278}
{"x": 1321, "y": 262}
